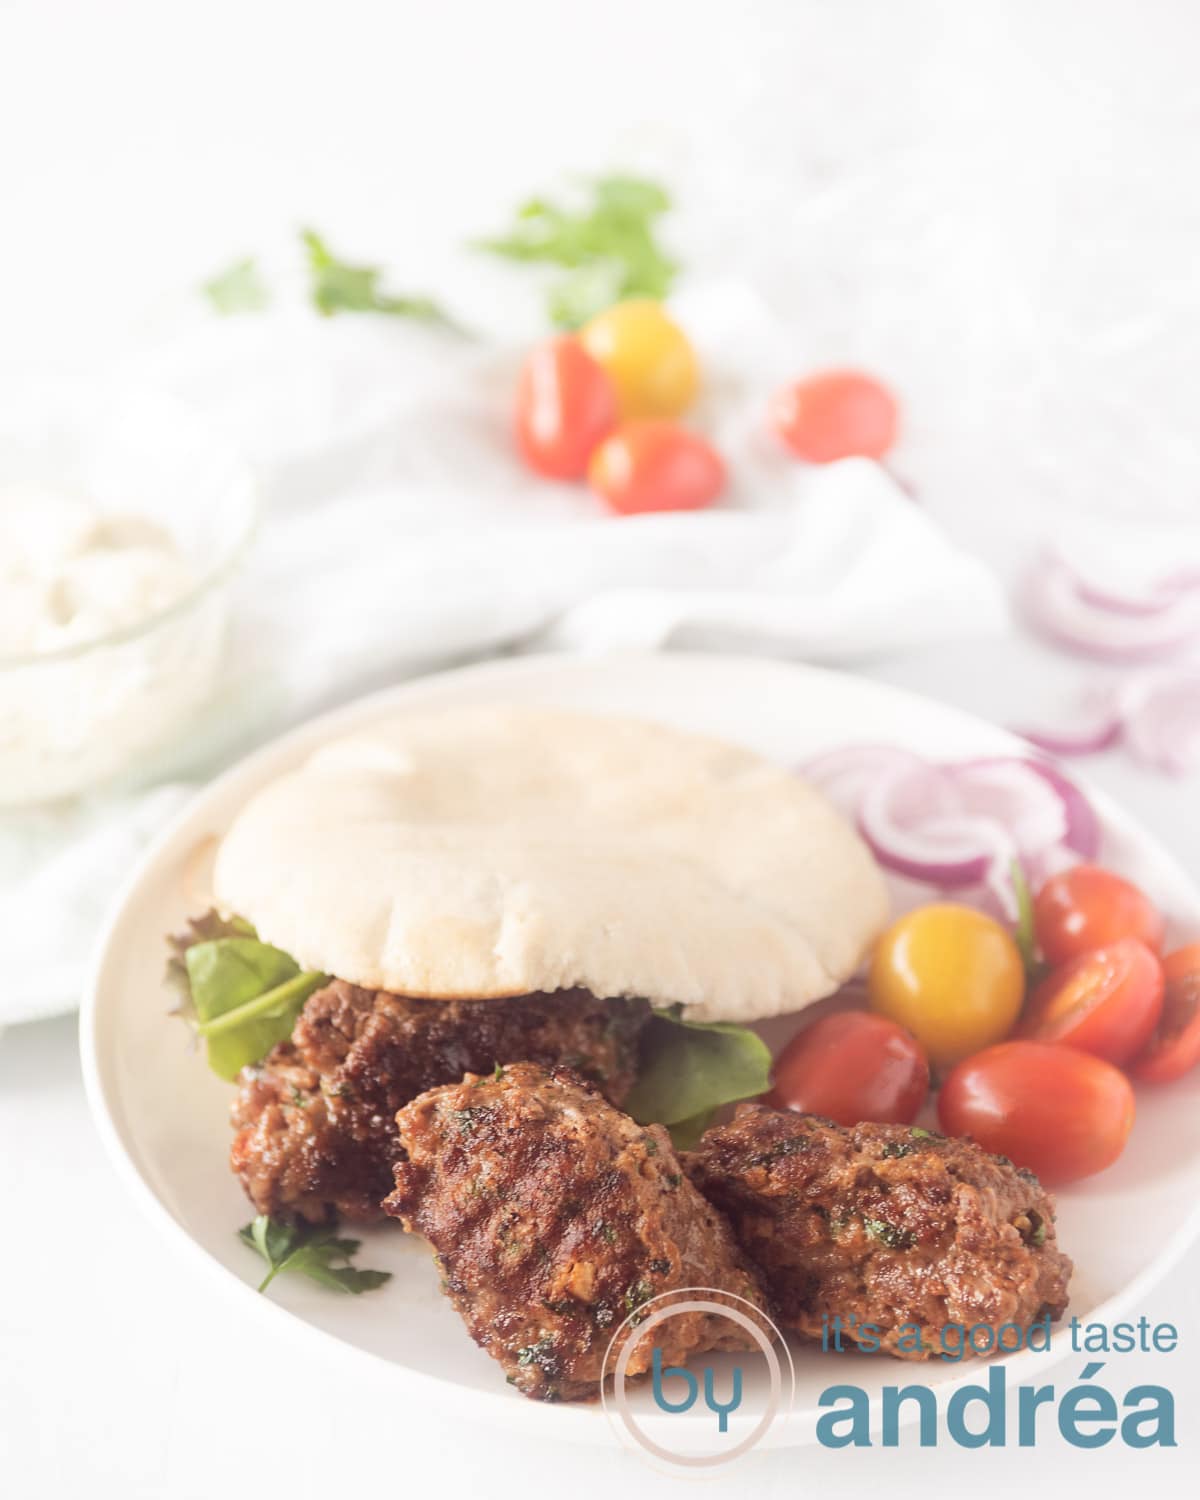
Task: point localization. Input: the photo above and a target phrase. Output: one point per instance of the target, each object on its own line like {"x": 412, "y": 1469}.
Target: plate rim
{"x": 580, "y": 1423}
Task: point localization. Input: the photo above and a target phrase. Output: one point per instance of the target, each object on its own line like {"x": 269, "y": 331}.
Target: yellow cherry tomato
{"x": 952, "y": 976}
{"x": 647, "y": 356}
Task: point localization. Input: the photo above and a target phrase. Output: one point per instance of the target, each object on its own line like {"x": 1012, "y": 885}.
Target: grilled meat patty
{"x": 884, "y": 1224}
{"x": 315, "y": 1121}
{"x": 554, "y": 1216}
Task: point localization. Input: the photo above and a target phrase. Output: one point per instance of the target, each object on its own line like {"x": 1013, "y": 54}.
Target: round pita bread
{"x": 491, "y": 852}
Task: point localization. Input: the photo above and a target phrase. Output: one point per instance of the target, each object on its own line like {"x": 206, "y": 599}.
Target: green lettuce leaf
{"x": 686, "y": 1133}
{"x": 690, "y": 1068}
{"x": 245, "y": 996}
{"x": 198, "y": 930}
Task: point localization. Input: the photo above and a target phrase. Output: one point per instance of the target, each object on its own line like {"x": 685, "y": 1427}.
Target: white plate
{"x": 163, "y": 1115}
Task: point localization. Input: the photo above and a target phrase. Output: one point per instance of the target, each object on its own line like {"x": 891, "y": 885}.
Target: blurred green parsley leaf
{"x": 311, "y": 1250}
{"x": 238, "y": 289}
{"x": 337, "y": 286}
{"x": 607, "y": 244}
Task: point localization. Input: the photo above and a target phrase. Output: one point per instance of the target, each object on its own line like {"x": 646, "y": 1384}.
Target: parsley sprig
{"x": 239, "y": 288}
{"x": 335, "y": 286}
{"x": 338, "y": 286}
{"x": 607, "y": 244}
{"x": 311, "y": 1250}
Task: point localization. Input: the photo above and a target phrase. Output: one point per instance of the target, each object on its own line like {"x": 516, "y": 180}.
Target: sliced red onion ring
{"x": 1161, "y": 595}
{"x": 1088, "y": 739}
{"x": 946, "y": 852}
{"x": 1073, "y": 612}
{"x": 1161, "y": 715}
{"x": 1156, "y": 714}
{"x": 1084, "y": 834}
{"x": 1009, "y": 790}
{"x": 960, "y": 827}
{"x": 845, "y": 774}
{"x": 953, "y": 825}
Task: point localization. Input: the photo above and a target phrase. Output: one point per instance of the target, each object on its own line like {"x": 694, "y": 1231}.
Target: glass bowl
{"x": 74, "y": 717}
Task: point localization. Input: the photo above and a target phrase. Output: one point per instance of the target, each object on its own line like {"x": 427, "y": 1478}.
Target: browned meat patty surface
{"x": 315, "y": 1121}
{"x": 554, "y": 1216}
{"x": 882, "y": 1223}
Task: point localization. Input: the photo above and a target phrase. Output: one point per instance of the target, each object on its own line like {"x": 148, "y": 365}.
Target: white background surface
{"x": 993, "y": 203}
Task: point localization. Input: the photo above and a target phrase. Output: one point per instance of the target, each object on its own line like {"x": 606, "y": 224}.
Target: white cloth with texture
{"x": 400, "y": 531}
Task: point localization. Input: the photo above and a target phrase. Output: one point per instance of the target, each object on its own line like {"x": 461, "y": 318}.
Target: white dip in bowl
{"x": 122, "y": 520}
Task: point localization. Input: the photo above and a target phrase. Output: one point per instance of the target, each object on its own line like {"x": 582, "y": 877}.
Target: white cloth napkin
{"x": 400, "y": 530}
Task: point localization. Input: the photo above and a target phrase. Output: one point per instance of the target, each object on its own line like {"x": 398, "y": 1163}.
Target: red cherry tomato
{"x": 656, "y": 465}
{"x": 1175, "y": 1047}
{"x": 838, "y": 414}
{"x": 1106, "y": 1002}
{"x": 1086, "y": 907}
{"x": 566, "y": 405}
{"x": 852, "y": 1066}
{"x": 1061, "y": 1113}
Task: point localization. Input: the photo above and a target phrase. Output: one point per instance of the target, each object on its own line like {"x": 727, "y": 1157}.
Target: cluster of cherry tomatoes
{"x": 605, "y": 403}
{"x": 1036, "y": 1071}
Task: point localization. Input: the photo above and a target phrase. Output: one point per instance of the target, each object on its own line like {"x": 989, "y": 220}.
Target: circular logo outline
{"x": 644, "y": 1323}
